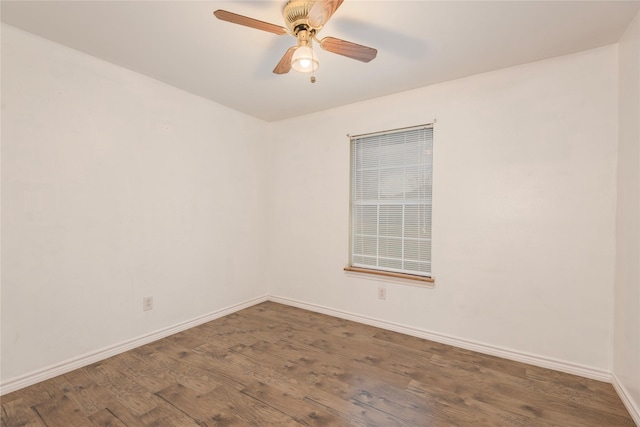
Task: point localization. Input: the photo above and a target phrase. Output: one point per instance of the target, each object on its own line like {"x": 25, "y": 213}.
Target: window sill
{"x": 409, "y": 279}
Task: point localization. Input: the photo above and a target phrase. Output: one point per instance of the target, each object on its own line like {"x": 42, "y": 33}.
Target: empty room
{"x": 330, "y": 213}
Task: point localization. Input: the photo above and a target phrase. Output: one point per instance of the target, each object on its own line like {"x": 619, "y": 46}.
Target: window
{"x": 391, "y": 181}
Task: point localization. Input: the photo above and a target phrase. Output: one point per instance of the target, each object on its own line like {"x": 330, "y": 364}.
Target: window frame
{"x": 389, "y": 272}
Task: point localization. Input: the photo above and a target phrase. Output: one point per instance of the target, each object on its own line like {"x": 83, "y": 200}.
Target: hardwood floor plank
{"x": 89, "y": 396}
{"x": 125, "y": 390}
{"x": 300, "y": 410}
{"x": 396, "y": 405}
{"x": 17, "y": 413}
{"x": 595, "y": 394}
{"x": 352, "y": 411}
{"x": 456, "y": 410}
{"x": 122, "y": 414}
{"x": 172, "y": 371}
{"x": 504, "y": 385}
{"x": 106, "y": 418}
{"x": 223, "y": 406}
{"x": 82, "y": 397}
{"x": 61, "y": 412}
{"x": 36, "y": 393}
{"x": 277, "y": 365}
{"x": 166, "y": 415}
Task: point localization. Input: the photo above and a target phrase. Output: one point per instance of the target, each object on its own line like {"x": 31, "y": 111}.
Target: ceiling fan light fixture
{"x": 303, "y": 60}
{"x": 303, "y": 20}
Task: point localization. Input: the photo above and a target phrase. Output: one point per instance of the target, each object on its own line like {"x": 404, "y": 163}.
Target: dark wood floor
{"x": 277, "y": 365}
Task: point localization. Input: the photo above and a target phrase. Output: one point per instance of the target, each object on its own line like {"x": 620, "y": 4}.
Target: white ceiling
{"x": 419, "y": 43}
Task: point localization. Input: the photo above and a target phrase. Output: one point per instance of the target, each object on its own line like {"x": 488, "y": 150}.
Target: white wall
{"x": 116, "y": 187}
{"x": 626, "y": 366}
{"x": 524, "y": 208}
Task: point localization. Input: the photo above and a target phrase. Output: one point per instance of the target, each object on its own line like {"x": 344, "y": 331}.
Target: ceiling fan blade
{"x": 250, "y": 22}
{"x": 348, "y": 49}
{"x": 284, "y": 65}
{"x": 321, "y": 11}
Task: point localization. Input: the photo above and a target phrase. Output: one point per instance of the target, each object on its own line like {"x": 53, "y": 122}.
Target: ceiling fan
{"x": 304, "y": 19}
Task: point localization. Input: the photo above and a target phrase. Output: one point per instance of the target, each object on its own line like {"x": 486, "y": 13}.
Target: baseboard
{"x": 517, "y": 356}
{"x": 104, "y": 353}
{"x": 631, "y": 406}
{"x": 89, "y": 358}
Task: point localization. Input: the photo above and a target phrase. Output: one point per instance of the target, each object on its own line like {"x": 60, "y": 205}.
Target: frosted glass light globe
{"x": 303, "y": 60}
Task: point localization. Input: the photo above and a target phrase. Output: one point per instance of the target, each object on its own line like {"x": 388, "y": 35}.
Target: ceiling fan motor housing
{"x": 296, "y": 15}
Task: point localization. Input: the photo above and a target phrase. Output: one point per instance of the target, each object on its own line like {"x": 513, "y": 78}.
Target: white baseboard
{"x": 89, "y": 358}
{"x": 104, "y": 353}
{"x": 517, "y": 356}
{"x": 631, "y": 406}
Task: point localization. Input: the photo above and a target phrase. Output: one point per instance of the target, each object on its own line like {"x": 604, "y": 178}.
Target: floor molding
{"x": 517, "y": 356}
{"x": 89, "y": 358}
{"x": 104, "y": 353}
{"x": 633, "y": 409}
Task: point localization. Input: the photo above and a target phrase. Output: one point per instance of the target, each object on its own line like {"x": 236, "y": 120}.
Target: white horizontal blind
{"x": 391, "y": 178}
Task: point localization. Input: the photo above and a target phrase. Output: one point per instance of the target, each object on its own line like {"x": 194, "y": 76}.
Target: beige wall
{"x": 524, "y": 209}
{"x": 626, "y": 364}
{"x": 116, "y": 187}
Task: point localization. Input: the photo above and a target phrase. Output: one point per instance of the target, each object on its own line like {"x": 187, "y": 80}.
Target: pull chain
{"x": 313, "y": 61}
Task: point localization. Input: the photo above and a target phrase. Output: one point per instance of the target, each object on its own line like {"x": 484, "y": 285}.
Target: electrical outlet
{"x": 147, "y": 303}
{"x": 382, "y": 293}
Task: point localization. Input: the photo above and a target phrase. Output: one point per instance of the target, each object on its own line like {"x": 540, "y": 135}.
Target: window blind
{"x": 391, "y": 199}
